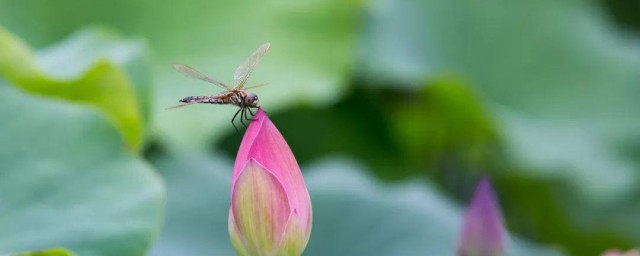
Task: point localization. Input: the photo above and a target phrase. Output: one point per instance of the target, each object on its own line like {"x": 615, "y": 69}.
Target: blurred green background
{"x": 394, "y": 110}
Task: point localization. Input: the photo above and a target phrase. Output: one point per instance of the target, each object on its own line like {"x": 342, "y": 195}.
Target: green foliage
{"x": 561, "y": 84}
{"x": 66, "y": 176}
{"x": 444, "y": 117}
{"x": 560, "y": 79}
{"x": 48, "y": 252}
{"x": 79, "y": 70}
{"x": 67, "y": 180}
{"x": 197, "y": 205}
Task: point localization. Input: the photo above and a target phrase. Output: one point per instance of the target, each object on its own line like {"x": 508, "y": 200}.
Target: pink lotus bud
{"x": 620, "y": 253}
{"x": 270, "y": 207}
{"x": 482, "y": 231}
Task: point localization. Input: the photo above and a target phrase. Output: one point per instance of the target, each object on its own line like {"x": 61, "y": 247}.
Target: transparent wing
{"x": 246, "y": 68}
{"x": 186, "y": 104}
{"x": 192, "y": 72}
{"x": 181, "y": 105}
{"x": 255, "y": 86}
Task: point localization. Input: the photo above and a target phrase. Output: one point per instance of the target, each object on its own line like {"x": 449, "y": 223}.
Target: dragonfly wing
{"x": 193, "y": 73}
{"x": 181, "y": 105}
{"x": 243, "y": 72}
{"x": 255, "y": 86}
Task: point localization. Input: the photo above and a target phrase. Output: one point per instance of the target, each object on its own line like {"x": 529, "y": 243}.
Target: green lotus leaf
{"x": 68, "y": 180}
{"x": 47, "y": 252}
{"x": 84, "y": 69}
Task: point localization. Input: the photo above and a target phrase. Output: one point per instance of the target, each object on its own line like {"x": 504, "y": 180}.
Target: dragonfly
{"x": 236, "y": 95}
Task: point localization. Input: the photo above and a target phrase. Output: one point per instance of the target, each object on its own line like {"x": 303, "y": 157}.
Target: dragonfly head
{"x": 251, "y": 100}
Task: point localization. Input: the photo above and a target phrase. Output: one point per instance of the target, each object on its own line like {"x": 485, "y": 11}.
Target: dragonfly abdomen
{"x": 205, "y": 99}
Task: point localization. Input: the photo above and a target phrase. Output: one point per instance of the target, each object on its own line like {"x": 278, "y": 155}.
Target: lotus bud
{"x": 482, "y": 232}
{"x": 270, "y": 206}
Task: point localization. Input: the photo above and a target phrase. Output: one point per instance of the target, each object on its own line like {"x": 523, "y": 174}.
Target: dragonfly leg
{"x": 233, "y": 119}
{"x": 252, "y": 115}
{"x": 242, "y": 113}
{"x": 246, "y": 115}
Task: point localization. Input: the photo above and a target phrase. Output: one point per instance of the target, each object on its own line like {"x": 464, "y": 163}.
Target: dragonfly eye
{"x": 252, "y": 98}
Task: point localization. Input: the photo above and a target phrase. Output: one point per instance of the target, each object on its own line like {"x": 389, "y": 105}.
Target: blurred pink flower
{"x": 633, "y": 252}
{"x": 482, "y": 232}
{"x": 270, "y": 207}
